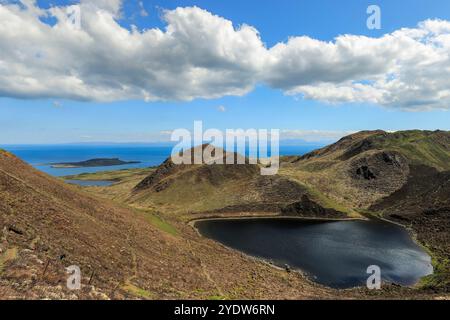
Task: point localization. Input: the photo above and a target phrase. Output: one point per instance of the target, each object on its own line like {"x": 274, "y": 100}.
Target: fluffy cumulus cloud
{"x": 197, "y": 55}
{"x": 201, "y": 55}
{"x": 405, "y": 69}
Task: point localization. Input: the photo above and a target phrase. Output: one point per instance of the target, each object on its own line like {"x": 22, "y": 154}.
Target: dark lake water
{"x": 336, "y": 254}
{"x": 90, "y": 183}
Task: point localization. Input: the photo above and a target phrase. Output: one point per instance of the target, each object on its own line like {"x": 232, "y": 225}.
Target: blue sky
{"x": 60, "y": 120}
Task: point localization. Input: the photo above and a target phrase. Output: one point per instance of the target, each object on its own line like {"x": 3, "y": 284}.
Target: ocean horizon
{"x": 149, "y": 155}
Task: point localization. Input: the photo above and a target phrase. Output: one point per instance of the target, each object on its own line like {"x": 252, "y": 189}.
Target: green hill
{"x": 362, "y": 168}
{"x": 215, "y": 187}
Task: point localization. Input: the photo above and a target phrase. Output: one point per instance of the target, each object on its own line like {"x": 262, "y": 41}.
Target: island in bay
{"x": 99, "y": 162}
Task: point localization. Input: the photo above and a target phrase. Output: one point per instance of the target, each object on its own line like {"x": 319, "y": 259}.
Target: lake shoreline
{"x": 305, "y": 274}
{"x": 274, "y": 216}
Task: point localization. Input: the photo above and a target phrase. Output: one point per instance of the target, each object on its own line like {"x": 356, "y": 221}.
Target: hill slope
{"x": 423, "y": 204}
{"x": 47, "y": 225}
{"x": 223, "y": 188}
{"x": 362, "y": 168}
{"x": 403, "y": 176}
{"x": 50, "y": 225}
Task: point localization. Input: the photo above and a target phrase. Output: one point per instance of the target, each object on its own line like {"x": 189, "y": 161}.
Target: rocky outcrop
{"x": 307, "y": 207}
{"x": 379, "y": 171}
{"x": 163, "y": 170}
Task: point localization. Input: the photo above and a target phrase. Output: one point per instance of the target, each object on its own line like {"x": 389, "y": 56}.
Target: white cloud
{"x": 221, "y": 108}
{"x": 142, "y": 12}
{"x": 57, "y": 104}
{"x": 201, "y": 55}
{"x": 111, "y": 6}
{"x": 406, "y": 69}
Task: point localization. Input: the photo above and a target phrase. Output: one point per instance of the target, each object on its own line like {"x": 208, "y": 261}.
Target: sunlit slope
{"x": 199, "y": 188}
{"x": 47, "y": 225}
{"x": 362, "y": 168}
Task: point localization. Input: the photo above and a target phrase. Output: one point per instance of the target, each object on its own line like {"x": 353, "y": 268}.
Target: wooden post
{"x": 115, "y": 288}
{"x": 92, "y": 276}
{"x": 46, "y": 266}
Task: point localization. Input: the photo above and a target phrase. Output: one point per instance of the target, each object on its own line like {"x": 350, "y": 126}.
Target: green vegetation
{"x": 136, "y": 291}
{"x": 4, "y": 152}
{"x": 421, "y": 147}
{"x": 199, "y": 188}
{"x": 8, "y": 255}
{"x": 329, "y": 203}
{"x": 159, "y": 223}
{"x": 149, "y": 261}
{"x": 441, "y": 274}
{"x": 117, "y": 175}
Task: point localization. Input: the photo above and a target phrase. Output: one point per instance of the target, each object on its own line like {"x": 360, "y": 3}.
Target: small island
{"x": 100, "y": 162}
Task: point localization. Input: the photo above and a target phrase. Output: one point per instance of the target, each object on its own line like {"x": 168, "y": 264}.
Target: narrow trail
{"x": 204, "y": 269}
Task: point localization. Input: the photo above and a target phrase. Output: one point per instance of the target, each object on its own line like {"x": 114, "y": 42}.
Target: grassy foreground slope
{"x": 47, "y": 226}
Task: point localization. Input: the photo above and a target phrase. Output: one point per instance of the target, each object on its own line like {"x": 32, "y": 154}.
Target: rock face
{"x": 365, "y": 173}
{"x": 382, "y": 171}
{"x": 403, "y": 176}
{"x": 356, "y": 172}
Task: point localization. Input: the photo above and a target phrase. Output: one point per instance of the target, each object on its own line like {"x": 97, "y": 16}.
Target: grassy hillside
{"x": 189, "y": 190}
{"x": 423, "y": 205}
{"x": 117, "y": 175}
{"x": 365, "y": 167}
{"x": 328, "y": 176}
{"x": 430, "y": 148}
{"x": 402, "y": 176}
{"x": 47, "y": 225}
